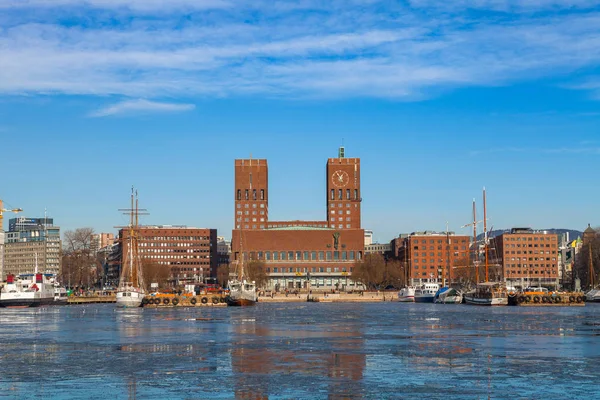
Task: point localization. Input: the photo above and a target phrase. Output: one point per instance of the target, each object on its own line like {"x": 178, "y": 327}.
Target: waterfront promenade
{"x": 323, "y": 297}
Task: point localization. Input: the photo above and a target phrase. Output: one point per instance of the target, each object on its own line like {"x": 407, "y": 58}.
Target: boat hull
{"x": 25, "y": 302}
{"x": 423, "y": 299}
{"x": 406, "y": 299}
{"x": 494, "y": 301}
{"x": 240, "y": 302}
{"x": 129, "y": 299}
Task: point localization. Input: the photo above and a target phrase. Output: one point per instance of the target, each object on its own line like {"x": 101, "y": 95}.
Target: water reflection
{"x": 274, "y": 351}
{"x": 280, "y": 359}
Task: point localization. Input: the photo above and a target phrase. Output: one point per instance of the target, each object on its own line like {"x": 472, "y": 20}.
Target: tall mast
{"x": 475, "y": 248}
{"x": 592, "y": 273}
{"x": 448, "y": 268}
{"x": 485, "y": 238}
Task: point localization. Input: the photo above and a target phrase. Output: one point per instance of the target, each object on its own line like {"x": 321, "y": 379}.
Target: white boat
{"x": 488, "y": 294}
{"x": 593, "y": 296}
{"x": 407, "y": 294}
{"x": 61, "y": 297}
{"x": 28, "y": 290}
{"x": 131, "y": 290}
{"x": 242, "y": 292}
{"x": 426, "y": 292}
{"x": 446, "y": 295}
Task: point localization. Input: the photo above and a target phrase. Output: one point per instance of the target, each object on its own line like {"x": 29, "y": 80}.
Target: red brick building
{"x": 432, "y": 256}
{"x": 294, "y": 251}
{"x": 528, "y": 258}
{"x": 189, "y": 253}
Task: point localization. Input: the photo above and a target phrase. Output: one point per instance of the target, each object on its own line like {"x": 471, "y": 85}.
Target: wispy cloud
{"x": 593, "y": 150}
{"x": 289, "y": 48}
{"x": 141, "y": 106}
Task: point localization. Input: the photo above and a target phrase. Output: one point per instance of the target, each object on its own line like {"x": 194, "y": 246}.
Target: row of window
{"x": 248, "y": 206}
{"x": 173, "y": 238}
{"x": 518, "y": 272}
{"x": 304, "y": 270}
{"x": 262, "y": 212}
{"x": 525, "y": 245}
{"x": 176, "y": 244}
{"x": 530, "y": 252}
{"x": 531, "y": 265}
{"x": 432, "y": 241}
{"x": 432, "y": 254}
{"x": 247, "y": 194}
{"x": 532, "y": 258}
{"x": 302, "y": 255}
{"x": 341, "y": 194}
{"x": 530, "y": 239}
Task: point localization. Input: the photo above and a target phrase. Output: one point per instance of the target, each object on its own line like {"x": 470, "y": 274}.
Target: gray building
{"x": 31, "y": 243}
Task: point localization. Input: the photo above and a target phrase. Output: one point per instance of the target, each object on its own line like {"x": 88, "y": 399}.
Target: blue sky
{"x": 437, "y": 98}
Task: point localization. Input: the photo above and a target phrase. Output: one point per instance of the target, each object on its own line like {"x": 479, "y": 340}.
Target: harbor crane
{"x": 2, "y": 210}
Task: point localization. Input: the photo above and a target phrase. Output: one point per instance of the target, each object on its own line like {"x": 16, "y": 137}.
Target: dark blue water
{"x": 301, "y": 351}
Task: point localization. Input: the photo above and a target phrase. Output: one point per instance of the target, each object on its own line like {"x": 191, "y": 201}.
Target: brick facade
{"x": 189, "y": 253}
{"x": 527, "y": 257}
{"x": 295, "y": 251}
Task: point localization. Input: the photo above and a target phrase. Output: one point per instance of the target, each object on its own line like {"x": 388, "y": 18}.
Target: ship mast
{"x": 485, "y": 238}
{"x": 592, "y": 274}
{"x": 475, "y": 249}
{"x": 449, "y": 270}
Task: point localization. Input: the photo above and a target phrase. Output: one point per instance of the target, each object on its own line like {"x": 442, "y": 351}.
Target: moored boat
{"x": 407, "y": 294}
{"x": 426, "y": 292}
{"x": 27, "y": 290}
{"x": 131, "y": 290}
{"x": 488, "y": 294}
{"x": 593, "y": 296}
{"x": 447, "y": 295}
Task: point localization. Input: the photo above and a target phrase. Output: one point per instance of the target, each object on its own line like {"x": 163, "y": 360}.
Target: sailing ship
{"x": 486, "y": 293}
{"x": 131, "y": 290}
{"x": 241, "y": 292}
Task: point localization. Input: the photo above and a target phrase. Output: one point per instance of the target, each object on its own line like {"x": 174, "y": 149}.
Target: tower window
{"x": 355, "y": 194}
{"x": 253, "y": 194}
{"x": 262, "y": 194}
{"x": 340, "y": 194}
{"x": 246, "y": 194}
{"x": 239, "y": 194}
{"x": 332, "y": 194}
{"x": 347, "y": 194}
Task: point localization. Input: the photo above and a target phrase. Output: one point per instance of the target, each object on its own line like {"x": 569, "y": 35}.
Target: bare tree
{"x": 155, "y": 273}
{"x": 582, "y": 262}
{"x": 256, "y": 272}
{"x": 79, "y": 265}
{"x": 375, "y": 272}
{"x": 223, "y": 274}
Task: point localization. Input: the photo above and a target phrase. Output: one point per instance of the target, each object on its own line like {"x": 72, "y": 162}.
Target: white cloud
{"x": 137, "y": 5}
{"x": 141, "y": 105}
{"x": 290, "y": 48}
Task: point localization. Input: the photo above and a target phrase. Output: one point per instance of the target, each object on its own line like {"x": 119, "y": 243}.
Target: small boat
{"x": 61, "y": 296}
{"x": 593, "y": 296}
{"x": 407, "y": 294}
{"x": 426, "y": 292}
{"x": 447, "y": 295}
{"x": 488, "y": 294}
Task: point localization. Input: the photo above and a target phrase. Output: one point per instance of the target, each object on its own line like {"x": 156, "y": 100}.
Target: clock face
{"x": 340, "y": 178}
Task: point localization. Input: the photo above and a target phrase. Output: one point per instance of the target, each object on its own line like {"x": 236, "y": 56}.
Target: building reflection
{"x": 266, "y": 361}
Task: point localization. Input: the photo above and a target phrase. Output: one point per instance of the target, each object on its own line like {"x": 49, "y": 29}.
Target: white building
{"x": 368, "y": 237}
